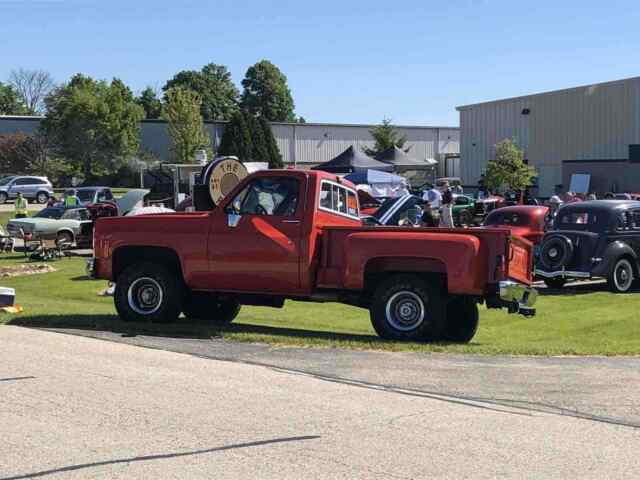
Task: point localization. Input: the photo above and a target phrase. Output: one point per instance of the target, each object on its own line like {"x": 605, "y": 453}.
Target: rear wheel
{"x": 405, "y": 307}
{"x": 64, "y": 238}
{"x": 208, "y": 306}
{"x": 42, "y": 197}
{"x": 620, "y": 278}
{"x": 3, "y": 197}
{"x": 462, "y": 320}
{"x": 555, "y": 282}
{"x": 148, "y": 292}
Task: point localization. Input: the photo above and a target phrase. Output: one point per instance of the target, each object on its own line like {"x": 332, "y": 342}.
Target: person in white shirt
{"x": 434, "y": 197}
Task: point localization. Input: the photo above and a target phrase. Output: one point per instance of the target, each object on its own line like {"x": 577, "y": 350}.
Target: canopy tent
{"x": 373, "y": 176}
{"x": 352, "y": 160}
{"x": 379, "y": 184}
{"x": 401, "y": 160}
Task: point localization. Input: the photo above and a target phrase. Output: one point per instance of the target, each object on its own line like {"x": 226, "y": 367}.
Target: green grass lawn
{"x": 576, "y": 322}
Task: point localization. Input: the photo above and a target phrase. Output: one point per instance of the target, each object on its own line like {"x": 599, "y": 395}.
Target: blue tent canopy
{"x": 371, "y": 177}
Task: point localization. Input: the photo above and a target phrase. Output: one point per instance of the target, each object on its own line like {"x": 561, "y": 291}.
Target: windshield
{"x": 86, "y": 195}
{"x": 54, "y": 213}
{"x": 6, "y": 180}
{"x": 512, "y": 218}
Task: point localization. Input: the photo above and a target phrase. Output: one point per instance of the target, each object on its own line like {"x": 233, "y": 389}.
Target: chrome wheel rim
{"x": 623, "y": 275}
{"x": 145, "y": 296}
{"x": 405, "y": 311}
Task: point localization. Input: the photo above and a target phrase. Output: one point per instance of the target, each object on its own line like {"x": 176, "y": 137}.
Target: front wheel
{"x": 405, "y": 307}
{"x": 148, "y": 292}
{"x": 620, "y": 278}
{"x": 208, "y": 306}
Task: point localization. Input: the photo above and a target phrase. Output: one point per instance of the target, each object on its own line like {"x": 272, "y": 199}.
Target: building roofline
{"x": 222, "y": 122}
{"x": 550, "y": 92}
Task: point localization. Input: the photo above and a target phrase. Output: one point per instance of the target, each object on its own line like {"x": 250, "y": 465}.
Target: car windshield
{"x": 86, "y": 195}
{"x": 512, "y": 218}
{"x": 52, "y": 212}
{"x": 6, "y": 180}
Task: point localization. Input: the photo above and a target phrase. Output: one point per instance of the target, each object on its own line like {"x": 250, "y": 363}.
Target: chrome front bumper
{"x": 518, "y": 297}
{"x": 562, "y": 273}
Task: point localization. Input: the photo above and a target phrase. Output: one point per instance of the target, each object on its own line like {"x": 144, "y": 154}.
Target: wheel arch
{"x": 129, "y": 255}
{"x": 66, "y": 230}
{"x": 614, "y": 252}
{"x": 376, "y": 269}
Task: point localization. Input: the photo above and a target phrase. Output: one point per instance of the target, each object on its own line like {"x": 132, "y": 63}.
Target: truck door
{"x": 255, "y": 244}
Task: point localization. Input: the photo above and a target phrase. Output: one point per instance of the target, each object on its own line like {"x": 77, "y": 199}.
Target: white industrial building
{"x": 301, "y": 144}
{"x": 591, "y": 129}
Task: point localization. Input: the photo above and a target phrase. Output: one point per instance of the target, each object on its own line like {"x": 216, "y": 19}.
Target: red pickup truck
{"x": 297, "y": 235}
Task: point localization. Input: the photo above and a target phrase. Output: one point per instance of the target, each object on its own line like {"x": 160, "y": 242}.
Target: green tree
{"x": 266, "y": 93}
{"x": 385, "y": 136}
{"x": 184, "y": 124}
{"x": 150, "y": 103}
{"x": 275, "y": 158}
{"x": 259, "y": 143}
{"x": 10, "y": 101}
{"x": 93, "y": 124}
{"x": 217, "y": 91}
{"x": 237, "y": 138}
{"x": 507, "y": 171}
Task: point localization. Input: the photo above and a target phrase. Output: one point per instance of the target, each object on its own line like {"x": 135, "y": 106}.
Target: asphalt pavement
{"x": 83, "y": 408}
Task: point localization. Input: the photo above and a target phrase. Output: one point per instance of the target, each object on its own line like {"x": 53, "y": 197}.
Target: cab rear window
{"x": 337, "y": 199}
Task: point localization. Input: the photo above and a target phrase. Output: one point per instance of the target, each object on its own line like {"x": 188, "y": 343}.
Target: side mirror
{"x": 233, "y": 219}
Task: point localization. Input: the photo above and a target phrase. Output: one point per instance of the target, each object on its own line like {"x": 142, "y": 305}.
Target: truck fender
{"x": 380, "y": 265}
{"x": 613, "y": 252}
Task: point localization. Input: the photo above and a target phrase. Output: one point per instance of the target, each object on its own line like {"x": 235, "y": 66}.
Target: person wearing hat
{"x": 446, "y": 220}
{"x": 555, "y": 202}
{"x": 71, "y": 199}
{"x": 21, "y": 206}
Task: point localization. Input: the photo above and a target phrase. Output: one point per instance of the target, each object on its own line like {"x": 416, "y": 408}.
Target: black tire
{"x": 42, "y": 197}
{"x": 621, "y": 276}
{"x": 556, "y": 251}
{"x": 210, "y": 307}
{"x": 465, "y": 218}
{"x": 555, "y": 282}
{"x": 148, "y": 292}
{"x": 3, "y": 197}
{"x": 462, "y": 320}
{"x": 421, "y": 304}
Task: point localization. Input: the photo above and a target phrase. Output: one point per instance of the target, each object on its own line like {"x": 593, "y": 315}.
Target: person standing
{"x": 71, "y": 199}
{"x": 21, "y": 206}
{"x": 446, "y": 220}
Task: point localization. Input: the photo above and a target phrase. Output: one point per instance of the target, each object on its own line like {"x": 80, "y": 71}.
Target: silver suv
{"x": 34, "y": 188}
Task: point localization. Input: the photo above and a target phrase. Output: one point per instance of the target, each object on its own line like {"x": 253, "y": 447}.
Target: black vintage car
{"x": 599, "y": 238}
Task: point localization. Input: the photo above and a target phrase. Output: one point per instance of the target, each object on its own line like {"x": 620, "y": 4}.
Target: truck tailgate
{"x": 520, "y": 260}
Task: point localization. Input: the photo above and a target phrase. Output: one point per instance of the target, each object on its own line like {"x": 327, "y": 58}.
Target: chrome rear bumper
{"x": 518, "y": 297}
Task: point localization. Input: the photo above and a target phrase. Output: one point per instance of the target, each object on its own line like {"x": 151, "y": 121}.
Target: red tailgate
{"x": 520, "y": 260}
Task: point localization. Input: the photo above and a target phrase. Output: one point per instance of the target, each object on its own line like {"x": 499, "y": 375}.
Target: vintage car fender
{"x": 614, "y": 251}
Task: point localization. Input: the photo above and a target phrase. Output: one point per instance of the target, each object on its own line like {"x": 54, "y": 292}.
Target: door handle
{"x": 290, "y": 221}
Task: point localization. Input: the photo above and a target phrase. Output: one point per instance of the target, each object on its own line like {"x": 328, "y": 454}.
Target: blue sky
{"x": 346, "y": 61}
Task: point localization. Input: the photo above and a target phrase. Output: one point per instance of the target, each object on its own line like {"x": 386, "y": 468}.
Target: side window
{"x": 38, "y": 181}
{"x": 337, "y": 199}
{"x": 22, "y": 181}
{"x": 276, "y": 196}
{"x": 108, "y": 195}
{"x": 71, "y": 215}
{"x": 635, "y": 216}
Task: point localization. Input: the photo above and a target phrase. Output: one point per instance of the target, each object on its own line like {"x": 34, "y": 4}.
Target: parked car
{"x": 52, "y": 223}
{"x": 89, "y": 195}
{"x": 297, "y": 234}
{"x": 463, "y": 209}
{"x": 525, "y": 221}
{"x": 32, "y": 188}
{"x": 599, "y": 238}
{"x": 484, "y": 206}
{"x": 394, "y": 211}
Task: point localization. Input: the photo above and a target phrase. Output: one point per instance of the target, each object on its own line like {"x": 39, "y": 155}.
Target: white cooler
{"x": 7, "y": 297}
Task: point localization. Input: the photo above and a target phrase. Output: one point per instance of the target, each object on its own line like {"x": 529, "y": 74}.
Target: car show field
{"x": 583, "y": 319}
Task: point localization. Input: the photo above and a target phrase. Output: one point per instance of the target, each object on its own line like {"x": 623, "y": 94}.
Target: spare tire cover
{"x": 222, "y": 175}
{"x": 556, "y": 252}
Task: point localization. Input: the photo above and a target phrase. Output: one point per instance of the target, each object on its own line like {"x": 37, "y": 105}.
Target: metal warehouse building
{"x": 301, "y": 144}
{"x": 592, "y": 129}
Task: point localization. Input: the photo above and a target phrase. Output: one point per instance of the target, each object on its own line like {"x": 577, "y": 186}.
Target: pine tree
{"x": 385, "y": 136}
{"x": 275, "y": 159}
